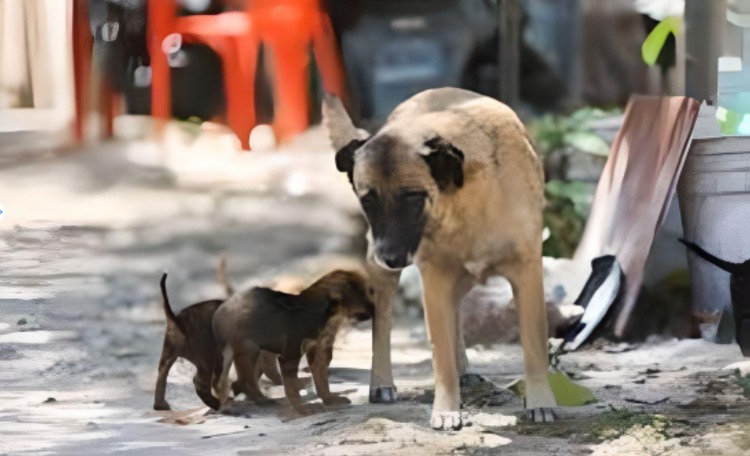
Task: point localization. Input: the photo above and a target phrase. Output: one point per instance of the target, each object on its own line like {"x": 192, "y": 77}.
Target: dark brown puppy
{"x": 189, "y": 335}
{"x": 289, "y": 326}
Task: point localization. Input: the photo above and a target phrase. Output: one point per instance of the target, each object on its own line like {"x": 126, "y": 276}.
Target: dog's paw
{"x": 447, "y": 421}
{"x": 336, "y": 400}
{"x": 383, "y": 395}
{"x": 162, "y": 406}
{"x": 540, "y": 415}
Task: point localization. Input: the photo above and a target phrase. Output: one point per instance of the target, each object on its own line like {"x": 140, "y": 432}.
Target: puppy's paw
{"x": 540, "y": 415}
{"x": 263, "y": 401}
{"x": 237, "y": 388}
{"x": 212, "y": 402}
{"x": 383, "y": 395}
{"x": 446, "y": 421}
{"x": 336, "y": 400}
{"x": 162, "y": 406}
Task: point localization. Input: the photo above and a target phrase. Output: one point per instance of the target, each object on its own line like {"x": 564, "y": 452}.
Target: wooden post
{"x": 705, "y": 22}
{"x": 509, "y": 34}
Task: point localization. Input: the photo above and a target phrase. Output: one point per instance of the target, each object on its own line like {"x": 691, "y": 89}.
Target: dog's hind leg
{"x": 168, "y": 357}
{"x": 528, "y": 291}
{"x": 382, "y": 388}
{"x": 202, "y": 382}
{"x": 221, "y": 384}
{"x": 270, "y": 367}
{"x": 439, "y": 289}
{"x": 246, "y": 364}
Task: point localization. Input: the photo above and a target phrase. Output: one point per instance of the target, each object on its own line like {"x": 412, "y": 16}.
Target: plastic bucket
{"x": 714, "y": 195}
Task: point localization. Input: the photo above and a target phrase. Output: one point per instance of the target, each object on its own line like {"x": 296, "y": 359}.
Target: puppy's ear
{"x": 446, "y": 163}
{"x": 335, "y": 296}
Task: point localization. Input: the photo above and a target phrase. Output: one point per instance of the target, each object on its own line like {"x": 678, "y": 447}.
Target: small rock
{"x": 21, "y": 322}
{"x": 640, "y": 381}
{"x": 470, "y": 380}
{"x": 622, "y": 347}
{"x": 259, "y": 435}
{"x": 50, "y": 399}
{"x": 653, "y": 400}
{"x": 743, "y": 367}
{"x": 91, "y": 426}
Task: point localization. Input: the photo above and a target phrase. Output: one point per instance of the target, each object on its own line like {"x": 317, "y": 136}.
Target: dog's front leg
{"x": 385, "y": 283}
{"x": 462, "y": 286}
{"x": 528, "y": 291}
{"x": 319, "y": 362}
{"x": 289, "y": 369}
{"x": 439, "y": 291}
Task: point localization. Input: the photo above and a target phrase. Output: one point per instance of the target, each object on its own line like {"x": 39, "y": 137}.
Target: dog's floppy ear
{"x": 345, "y": 158}
{"x": 446, "y": 163}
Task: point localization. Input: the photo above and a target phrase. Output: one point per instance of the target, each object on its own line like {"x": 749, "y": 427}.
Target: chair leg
{"x": 161, "y": 14}
{"x": 240, "y": 63}
{"x": 109, "y": 107}
{"x": 82, "y": 48}
{"x": 290, "y": 88}
{"x": 330, "y": 63}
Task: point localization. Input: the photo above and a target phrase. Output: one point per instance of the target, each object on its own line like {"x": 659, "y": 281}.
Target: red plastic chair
{"x": 288, "y": 28}
{"x": 230, "y": 35}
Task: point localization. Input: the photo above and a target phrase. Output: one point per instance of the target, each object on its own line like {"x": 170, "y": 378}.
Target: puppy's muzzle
{"x": 364, "y": 316}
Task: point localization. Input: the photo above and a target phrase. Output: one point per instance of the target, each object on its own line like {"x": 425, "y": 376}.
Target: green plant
{"x": 567, "y": 208}
{"x": 617, "y": 422}
{"x": 554, "y": 132}
{"x": 567, "y": 203}
{"x": 655, "y": 40}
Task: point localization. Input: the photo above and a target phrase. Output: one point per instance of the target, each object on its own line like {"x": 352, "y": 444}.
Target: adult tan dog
{"x": 452, "y": 184}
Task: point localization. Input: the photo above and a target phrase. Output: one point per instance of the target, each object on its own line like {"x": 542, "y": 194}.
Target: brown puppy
{"x": 289, "y": 326}
{"x": 189, "y": 335}
{"x": 267, "y": 364}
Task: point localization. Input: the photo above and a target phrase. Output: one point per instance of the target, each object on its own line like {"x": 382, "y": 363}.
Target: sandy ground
{"x": 84, "y": 241}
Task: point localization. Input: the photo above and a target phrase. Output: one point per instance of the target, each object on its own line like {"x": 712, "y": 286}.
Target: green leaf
{"x": 655, "y": 40}
{"x": 567, "y": 393}
{"x": 588, "y": 142}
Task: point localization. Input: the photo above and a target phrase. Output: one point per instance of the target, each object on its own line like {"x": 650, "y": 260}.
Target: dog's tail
{"x": 222, "y": 277}
{"x": 718, "y": 262}
{"x": 165, "y": 301}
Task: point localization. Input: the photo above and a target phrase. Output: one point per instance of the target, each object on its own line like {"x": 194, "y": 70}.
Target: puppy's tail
{"x": 165, "y": 301}
{"x": 222, "y": 276}
{"x": 725, "y": 265}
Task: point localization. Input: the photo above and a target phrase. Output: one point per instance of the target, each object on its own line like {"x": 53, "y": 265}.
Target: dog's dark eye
{"x": 371, "y": 290}
{"x": 414, "y": 196}
{"x": 369, "y": 200}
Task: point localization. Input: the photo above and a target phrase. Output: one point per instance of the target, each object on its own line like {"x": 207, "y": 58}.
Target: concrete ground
{"x": 86, "y": 236}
